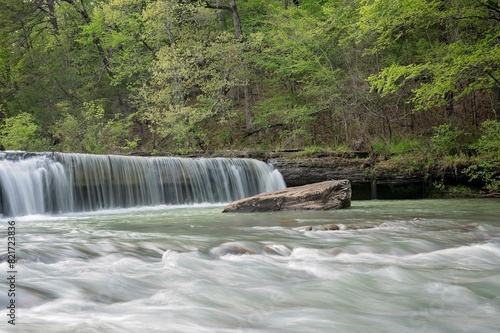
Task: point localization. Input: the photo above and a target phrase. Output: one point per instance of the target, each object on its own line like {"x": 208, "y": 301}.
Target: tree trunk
{"x": 52, "y": 16}
{"x": 236, "y": 19}
{"x": 247, "y": 89}
{"x": 238, "y": 33}
{"x": 450, "y": 105}
{"x": 495, "y": 101}
{"x": 248, "y": 107}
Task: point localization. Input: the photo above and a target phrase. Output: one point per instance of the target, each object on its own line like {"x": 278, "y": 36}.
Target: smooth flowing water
{"x": 394, "y": 266}
{"x": 40, "y": 183}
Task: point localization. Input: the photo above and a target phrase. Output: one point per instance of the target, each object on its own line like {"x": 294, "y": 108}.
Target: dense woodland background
{"x": 414, "y": 81}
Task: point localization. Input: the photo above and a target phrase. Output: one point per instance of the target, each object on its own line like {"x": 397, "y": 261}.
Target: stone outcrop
{"x": 297, "y": 172}
{"x": 334, "y": 194}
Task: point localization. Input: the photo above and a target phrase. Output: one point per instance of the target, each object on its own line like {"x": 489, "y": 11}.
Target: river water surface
{"x": 394, "y": 266}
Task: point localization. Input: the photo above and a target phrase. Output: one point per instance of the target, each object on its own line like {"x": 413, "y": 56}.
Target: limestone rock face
{"x": 297, "y": 172}
{"x": 332, "y": 194}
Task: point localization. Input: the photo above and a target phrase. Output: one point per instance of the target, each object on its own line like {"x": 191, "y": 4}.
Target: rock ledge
{"x": 332, "y": 194}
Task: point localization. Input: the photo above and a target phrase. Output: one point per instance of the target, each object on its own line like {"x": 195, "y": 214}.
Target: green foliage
{"x": 445, "y": 140}
{"x": 298, "y": 52}
{"x": 411, "y": 164}
{"x": 381, "y": 148}
{"x": 489, "y": 142}
{"x": 22, "y": 133}
{"x": 120, "y": 26}
{"x": 193, "y": 77}
{"x": 487, "y": 162}
{"x": 131, "y": 145}
{"x": 90, "y": 132}
{"x": 314, "y": 149}
{"x": 439, "y": 189}
{"x": 408, "y": 146}
{"x": 435, "y": 50}
{"x": 461, "y": 191}
{"x": 397, "y": 147}
{"x": 303, "y": 58}
{"x": 147, "y": 75}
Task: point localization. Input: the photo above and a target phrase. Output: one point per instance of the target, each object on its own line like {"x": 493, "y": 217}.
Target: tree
{"x": 194, "y": 74}
{"x": 307, "y": 58}
{"x": 21, "y": 133}
{"x": 50, "y": 59}
{"x": 488, "y": 150}
{"x": 443, "y": 51}
{"x": 87, "y": 130}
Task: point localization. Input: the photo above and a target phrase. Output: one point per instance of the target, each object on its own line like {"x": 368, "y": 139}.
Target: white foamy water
{"x": 55, "y": 183}
{"x": 407, "y": 266}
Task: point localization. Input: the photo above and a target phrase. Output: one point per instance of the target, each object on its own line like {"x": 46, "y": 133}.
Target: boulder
{"x": 333, "y": 194}
{"x": 331, "y": 226}
{"x": 277, "y": 249}
{"x": 304, "y": 228}
{"x": 234, "y": 248}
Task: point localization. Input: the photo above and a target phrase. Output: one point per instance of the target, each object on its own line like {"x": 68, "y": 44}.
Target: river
{"x": 394, "y": 266}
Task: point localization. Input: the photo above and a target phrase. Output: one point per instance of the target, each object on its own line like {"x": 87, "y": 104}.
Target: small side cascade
{"x": 42, "y": 183}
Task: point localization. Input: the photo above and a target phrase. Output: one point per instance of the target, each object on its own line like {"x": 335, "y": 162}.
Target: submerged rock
{"x": 304, "y": 228}
{"x": 4, "y": 257}
{"x": 333, "y": 194}
{"x": 277, "y": 249}
{"x": 242, "y": 248}
{"x": 331, "y": 226}
{"x": 234, "y": 248}
{"x": 335, "y": 251}
{"x": 359, "y": 227}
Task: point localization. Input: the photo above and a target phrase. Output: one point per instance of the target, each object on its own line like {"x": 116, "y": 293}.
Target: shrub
{"x": 21, "y": 133}
{"x": 487, "y": 166}
{"x": 445, "y": 140}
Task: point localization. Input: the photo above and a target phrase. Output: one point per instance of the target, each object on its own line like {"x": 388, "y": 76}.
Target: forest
{"x": 414, "y": 81}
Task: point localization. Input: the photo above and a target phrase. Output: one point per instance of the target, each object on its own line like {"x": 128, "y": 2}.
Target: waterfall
{"x": 42, "y": 183}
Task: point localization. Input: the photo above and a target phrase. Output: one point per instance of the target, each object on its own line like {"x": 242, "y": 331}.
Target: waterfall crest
{"x": 42, "y": 183}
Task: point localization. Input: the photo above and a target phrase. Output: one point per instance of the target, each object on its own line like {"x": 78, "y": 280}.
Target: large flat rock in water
{"x": 332, "y": 194}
